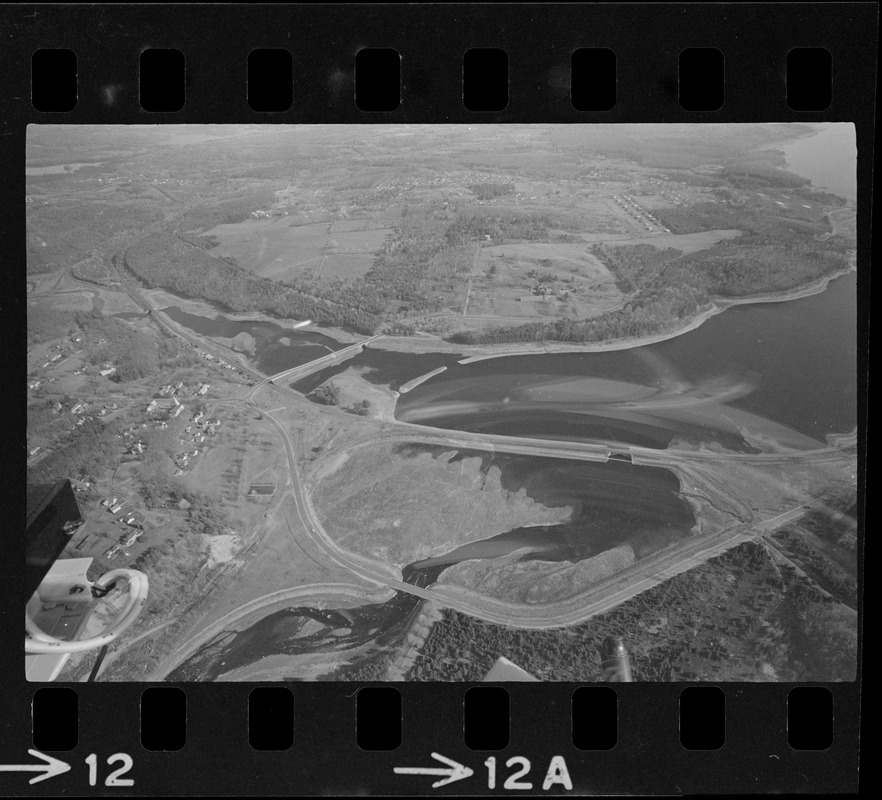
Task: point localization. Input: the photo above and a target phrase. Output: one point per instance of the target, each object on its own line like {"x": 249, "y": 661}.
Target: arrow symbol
{"x": 50, "y": 769}
{"x": 453, "y": 772}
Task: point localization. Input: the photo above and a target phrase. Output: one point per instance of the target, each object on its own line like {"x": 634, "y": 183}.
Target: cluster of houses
{"x": 174, "y": 409}
{"x": 639, "y": 214}
{"x": 81, "y": 407}
{"x": 170, "y": 390}
{"x": 210, "y": 357}
{"x": 131, "y": 438}
{"x": 64, "y": 351}
{"x": 195, "y": 434}
{"x": 674, "y": 199}
{"x": 55, "y": 357}
{"x": 126, "y": 517}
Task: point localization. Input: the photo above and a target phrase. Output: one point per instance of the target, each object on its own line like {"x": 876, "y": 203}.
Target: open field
{"x": 535, "y": 280}
{"x": 278, "y": 249}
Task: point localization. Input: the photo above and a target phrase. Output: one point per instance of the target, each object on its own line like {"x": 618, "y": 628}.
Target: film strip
{"x": 502, "y": 730}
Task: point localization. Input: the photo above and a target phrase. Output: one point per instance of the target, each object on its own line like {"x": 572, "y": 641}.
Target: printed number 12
{"x": 114, "y": 778}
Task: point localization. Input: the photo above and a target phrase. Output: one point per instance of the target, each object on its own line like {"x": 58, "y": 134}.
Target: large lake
{"x": 828, "y": 158}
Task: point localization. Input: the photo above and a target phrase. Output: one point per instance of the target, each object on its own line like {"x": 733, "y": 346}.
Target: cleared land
{"x": 280, "y": 250}
{"x": 573, "y": 282}
{"x": 400, "y": 508}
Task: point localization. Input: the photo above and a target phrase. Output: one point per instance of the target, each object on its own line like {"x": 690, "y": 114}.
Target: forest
{"x": 63, "y": 233}
{"x": 666, "y": 286}
{"x": 135, "y": 355}
{"x": 418, "y": 270}
{"x": 227, "y": 210}
{"x": 158, "y": 490}
{"x": 733, "y": 618}
{"x": 91, "y": 447}
{"x": 489, "y": 191}
{"x": 164, "y": 260}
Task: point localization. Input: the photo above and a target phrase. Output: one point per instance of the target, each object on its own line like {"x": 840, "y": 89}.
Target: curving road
{"x": 648, "y": 572}
{"x": 645, "y": 574}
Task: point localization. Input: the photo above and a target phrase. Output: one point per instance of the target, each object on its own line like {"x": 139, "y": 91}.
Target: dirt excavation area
{"x": 531, "y": 582}
{"x": 401, "y": 503}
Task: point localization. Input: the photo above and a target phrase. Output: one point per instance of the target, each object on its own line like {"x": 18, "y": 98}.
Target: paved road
{"x": 647, "y": 573}
{"x": 586, "y": 451}
{"x": 301, "y": 370}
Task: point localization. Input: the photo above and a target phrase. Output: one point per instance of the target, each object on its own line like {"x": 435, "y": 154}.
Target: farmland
{"x": 281, "y": 250}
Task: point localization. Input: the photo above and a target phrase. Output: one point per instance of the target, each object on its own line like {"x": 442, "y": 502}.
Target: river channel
{"x": 782, "y": 372}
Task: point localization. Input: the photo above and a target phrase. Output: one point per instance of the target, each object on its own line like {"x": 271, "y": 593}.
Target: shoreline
{"x": 411, "y": 345}
{"x": 473, "y": 353}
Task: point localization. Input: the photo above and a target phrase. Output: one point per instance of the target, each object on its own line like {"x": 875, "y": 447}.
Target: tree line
{"x": 165, "y": 260}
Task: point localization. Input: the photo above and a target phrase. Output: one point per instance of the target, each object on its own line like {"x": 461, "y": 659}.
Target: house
{"x": 34, "y": 384}
{"x": 204, "y": 389}
{"x": 34, "y": 450}
{"x": 58, "y": 408}
{"x": 116, "y": 509}
{"x": 177, "y": 411}
{"x": 78, "y": 408}
{"x": 151, "y": 405}
{"x": 112, "y": 552}
{"x": 128, "y": 541}
{"x": 105, "y": 372}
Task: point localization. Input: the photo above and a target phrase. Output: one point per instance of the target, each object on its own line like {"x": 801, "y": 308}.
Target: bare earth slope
{"x": 398, "y": 507}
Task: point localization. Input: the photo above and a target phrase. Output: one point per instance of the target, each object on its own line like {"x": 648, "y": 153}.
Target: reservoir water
{"x": 828, "y": 158}
{"x": 276, "y": 348}
{"x": 612, "y": 504}
{"x": 784, "y": 371}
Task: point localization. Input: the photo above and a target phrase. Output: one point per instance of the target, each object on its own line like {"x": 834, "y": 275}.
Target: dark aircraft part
{"x": 615, "y": 660}
{"x": 53, "y": 517}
